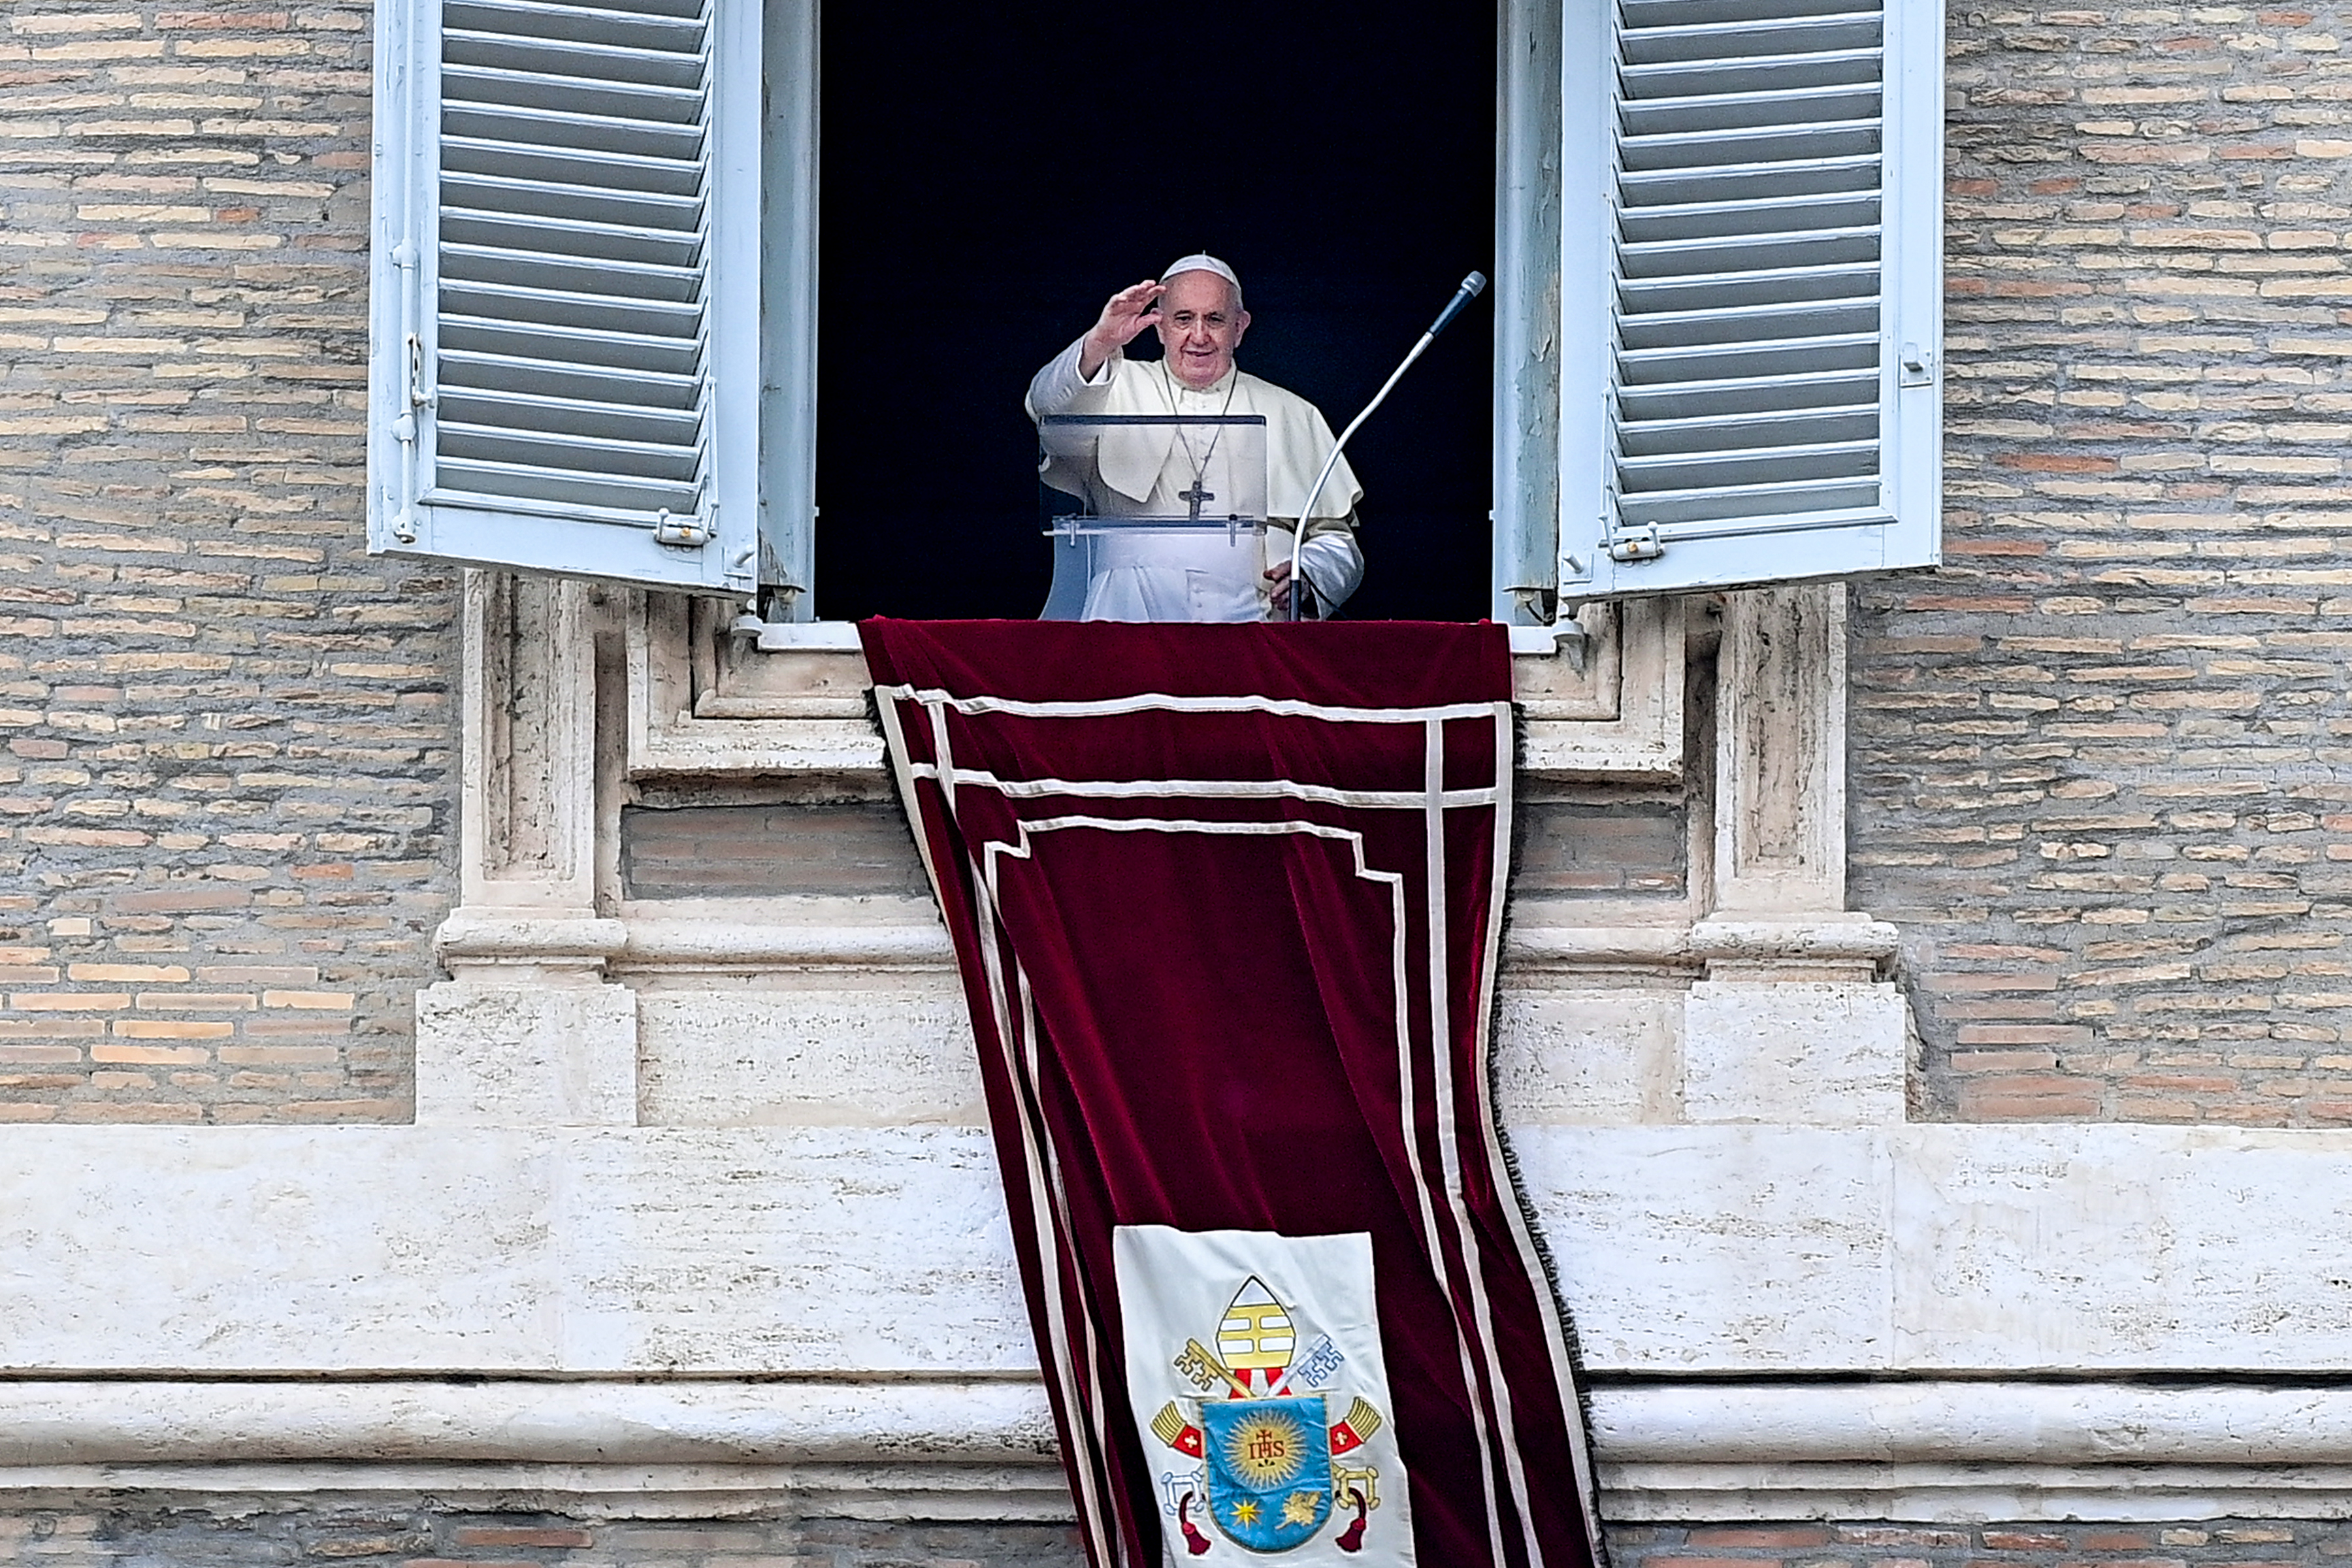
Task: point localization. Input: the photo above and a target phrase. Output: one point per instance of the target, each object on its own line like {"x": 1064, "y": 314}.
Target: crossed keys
{"x": 1201, "y": 1369}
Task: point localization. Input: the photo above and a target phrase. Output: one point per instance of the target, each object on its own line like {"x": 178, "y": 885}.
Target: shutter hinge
{"x": 1636, "y": 544}
{"x": 1918, "y": 367}
{"x": 415, "y": 360}
{"x": 686, "y": 530}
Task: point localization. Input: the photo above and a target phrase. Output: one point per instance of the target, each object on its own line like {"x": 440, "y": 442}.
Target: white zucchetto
{"x": 1201, "y": 261}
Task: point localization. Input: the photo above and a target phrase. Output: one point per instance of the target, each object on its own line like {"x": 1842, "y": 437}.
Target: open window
{"x": 1718, "y": 276}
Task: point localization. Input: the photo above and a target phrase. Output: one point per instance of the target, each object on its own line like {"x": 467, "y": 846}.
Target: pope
{"x": 1196, "y": 305}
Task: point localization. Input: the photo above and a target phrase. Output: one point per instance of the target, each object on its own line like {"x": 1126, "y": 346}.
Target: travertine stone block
{"x": 534, "y": 1055}
{"x": 1596, "y": 1058}
{"x": 895, "y": 1052}
{"x": 1794, "y": 1052}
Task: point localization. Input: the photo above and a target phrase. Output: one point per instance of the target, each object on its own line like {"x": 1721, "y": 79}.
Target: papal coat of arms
{"x": 1273, "y": 1429}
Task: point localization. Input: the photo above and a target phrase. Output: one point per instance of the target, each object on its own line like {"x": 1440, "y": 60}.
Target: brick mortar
{"x": 226, "y": 732}
{"x": 2098, "y": 760}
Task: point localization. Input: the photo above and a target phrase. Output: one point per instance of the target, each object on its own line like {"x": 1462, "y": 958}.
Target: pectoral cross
{"x": 1196, "y": 495}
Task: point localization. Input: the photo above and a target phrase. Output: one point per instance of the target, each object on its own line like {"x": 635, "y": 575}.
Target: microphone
{"x": 1472, "y": 287}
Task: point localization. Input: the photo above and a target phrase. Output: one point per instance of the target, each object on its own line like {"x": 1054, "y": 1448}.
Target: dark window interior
{"x": 993, "y": 173}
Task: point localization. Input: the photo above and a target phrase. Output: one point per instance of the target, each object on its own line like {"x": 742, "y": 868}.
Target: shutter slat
{"x": 513, "y": 444}
{"x": 576, "y": 238}
{"x": 556, "y": 127}
{"x": 596, "y": 24}
{"x": 1716, "y": 146}
{"x": 1653, "y": 367}
{"x": 484, "y": 87}
{"x": 1643, "y": 261}
{"x": 656, "y": 391}
{"x": 569, "y": 58}
{"x": 464, "y": 188}
{"x": 1692, "y": 13}
{"x": 1784, "y": 427}
{"x": 1699, "y": 329}
{"x": 1757, "y": 394}
{"x": 1749, "y": 254}
{"x": 581, "y": 167}
{"x": 1713, "y": 42}
{"x": 1793, "y": 505}
{"x": 571, "y": 344}
{"x": 1823, "y": 284}
{"x": 1679, "y": 220}
{"x": 576, "y": 415}
{"x": 469, "y": 481}
{"x": 1804, "y": 106}
{"x": 1692, "y": 80}
{"x": 497, "y": 264}
{"x": 552, "y": 307}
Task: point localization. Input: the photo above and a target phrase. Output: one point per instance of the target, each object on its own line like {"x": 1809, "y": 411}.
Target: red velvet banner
{"x": 1227, "y": 901}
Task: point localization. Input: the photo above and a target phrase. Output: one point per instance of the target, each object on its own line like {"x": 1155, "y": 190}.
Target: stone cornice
{"x": 1931, "y": 1451}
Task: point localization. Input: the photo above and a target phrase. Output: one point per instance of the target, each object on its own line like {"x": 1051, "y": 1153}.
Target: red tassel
{"x": 1352, "y": 1538}
{"x": 1194, "y": 1541}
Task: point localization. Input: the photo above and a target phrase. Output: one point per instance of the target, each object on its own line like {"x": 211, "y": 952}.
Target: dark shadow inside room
{"x": 992, "y": 174}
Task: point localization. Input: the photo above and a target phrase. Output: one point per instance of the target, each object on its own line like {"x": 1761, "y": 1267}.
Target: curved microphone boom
{"x": 1472, "y": 287}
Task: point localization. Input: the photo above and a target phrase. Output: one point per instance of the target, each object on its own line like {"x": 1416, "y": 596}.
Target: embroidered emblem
{"x": 1272, "y": 1471}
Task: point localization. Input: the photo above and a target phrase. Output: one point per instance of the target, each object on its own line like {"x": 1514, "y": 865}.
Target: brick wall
{"x": 426, "y": 1537}
{"x": 225, "y": 735}
{"x": 422, "y": 1537}
{"x": 2202, "y": 1543}
{"x": 842, "y": 848}
{"x": 2099, "y": 764}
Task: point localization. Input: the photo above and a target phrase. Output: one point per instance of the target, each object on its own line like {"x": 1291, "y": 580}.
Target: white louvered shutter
{"x": 1757, "y": 379}
{"x": 566, "y": 366}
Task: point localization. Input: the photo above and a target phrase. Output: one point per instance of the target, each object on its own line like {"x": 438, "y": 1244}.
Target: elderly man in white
{"x": 1197, "y": 306}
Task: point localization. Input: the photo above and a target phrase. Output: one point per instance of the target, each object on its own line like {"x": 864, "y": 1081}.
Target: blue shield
{"x": 1269, "y": 1463}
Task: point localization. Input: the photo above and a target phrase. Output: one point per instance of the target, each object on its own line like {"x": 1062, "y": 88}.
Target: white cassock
{"x": 1198, "y": 577}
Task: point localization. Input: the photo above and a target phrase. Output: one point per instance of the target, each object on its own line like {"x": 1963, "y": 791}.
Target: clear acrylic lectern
{"x": 1168, "y": 519}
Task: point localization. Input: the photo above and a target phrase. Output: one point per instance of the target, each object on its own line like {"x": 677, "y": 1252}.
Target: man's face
{"x": 1200, "y": 326}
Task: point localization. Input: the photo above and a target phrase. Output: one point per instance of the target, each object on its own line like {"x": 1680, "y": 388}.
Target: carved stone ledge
{"x": 1617, "y": 712}
{"x": 1530, "y": 950}
{"x": 1854, "y": 945}
{"x": 1926, "y": 1451}
{"x": 1856, "y": 948}
{"x": 687, "y": 944}
{"x": 706, "y": 703}
{"x": 513, "y": 943}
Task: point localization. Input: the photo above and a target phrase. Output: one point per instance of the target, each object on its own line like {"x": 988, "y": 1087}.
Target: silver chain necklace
{"x": 1200, "y": 491}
